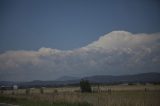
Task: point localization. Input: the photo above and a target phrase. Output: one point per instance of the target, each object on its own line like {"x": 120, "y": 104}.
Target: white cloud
{"x": 118, "y": 52}
{"x": 123, "y": 39}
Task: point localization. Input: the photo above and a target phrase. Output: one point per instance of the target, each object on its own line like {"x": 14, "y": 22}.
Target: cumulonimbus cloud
{"x": 118, "y": 52}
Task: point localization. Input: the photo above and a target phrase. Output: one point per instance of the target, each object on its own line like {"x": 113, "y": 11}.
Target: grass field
{"x": 120, "y": 95}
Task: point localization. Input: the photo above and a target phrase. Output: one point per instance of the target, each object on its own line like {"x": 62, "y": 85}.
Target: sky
{"x": 47, "y": 39}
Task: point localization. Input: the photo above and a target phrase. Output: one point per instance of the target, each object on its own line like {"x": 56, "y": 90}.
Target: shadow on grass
{"x": 28, "y": 102}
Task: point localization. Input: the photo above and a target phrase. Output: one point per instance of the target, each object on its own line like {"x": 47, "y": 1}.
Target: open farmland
{"x": 120, "y": 95}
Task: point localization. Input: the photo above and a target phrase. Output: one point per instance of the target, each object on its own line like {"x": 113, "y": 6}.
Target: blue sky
{"x": 48, "y": 39}
{"x": 70, "y": 24}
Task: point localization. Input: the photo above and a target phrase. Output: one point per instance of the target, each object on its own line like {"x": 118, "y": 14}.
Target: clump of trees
{"x": 85, "y": 86}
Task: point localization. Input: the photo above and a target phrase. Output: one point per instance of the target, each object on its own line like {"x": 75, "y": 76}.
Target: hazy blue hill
{"x": 105, "y": 79}
{"x": 67, "y": 78}
{"x": 144, "y": 77}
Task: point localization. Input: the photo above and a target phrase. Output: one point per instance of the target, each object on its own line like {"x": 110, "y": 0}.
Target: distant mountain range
{"x": 103, "y": 79}
{"x": 143, "y": 77}
{"x": 67, "y": 78}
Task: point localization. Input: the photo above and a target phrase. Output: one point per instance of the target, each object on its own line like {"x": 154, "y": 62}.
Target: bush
{"x": 55, "y": 91}
{"x": 41, "y": 90}
{"x": 1, "y": 92}
{"x": 27, "y": 91}
{"x": 85, "y": 86}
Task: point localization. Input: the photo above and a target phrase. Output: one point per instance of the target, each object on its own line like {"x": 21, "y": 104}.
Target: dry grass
{"x": 119, "y": 96}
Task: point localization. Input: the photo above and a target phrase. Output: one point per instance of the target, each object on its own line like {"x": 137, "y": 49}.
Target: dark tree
{"x": 85, "y": 86}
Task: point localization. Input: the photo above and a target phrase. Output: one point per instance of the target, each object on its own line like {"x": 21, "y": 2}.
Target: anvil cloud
{"x": 118, "y": 52}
